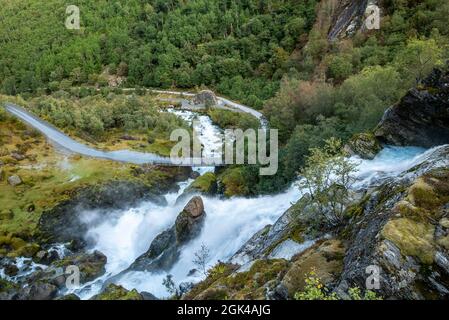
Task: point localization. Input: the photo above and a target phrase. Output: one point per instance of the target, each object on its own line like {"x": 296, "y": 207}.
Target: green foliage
{"x": 340, "y": 67}
{"x": 315, "y": 290}
{"x": 418, "y": 58}
{"x": 327, "y": 177}
{"x": 241, "y": 48}
{"x": 233, "y": 120}
{"x": 95, "y": 116}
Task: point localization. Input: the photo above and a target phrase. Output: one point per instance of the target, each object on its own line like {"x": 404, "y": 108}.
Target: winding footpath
{"x": 63, "y": 141}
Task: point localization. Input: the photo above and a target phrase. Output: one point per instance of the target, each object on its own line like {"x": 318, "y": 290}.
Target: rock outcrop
{"x": 401, "y": 231}
{"x": 206, "y": 98}
{"x": 115, "y": 292}
{"x": 348, "y": 18}
{"x": 421, "y": 118}
{"x": 165, "y": 248}
{"x": 14, "y": 180}
{"x": 364, "y": 145}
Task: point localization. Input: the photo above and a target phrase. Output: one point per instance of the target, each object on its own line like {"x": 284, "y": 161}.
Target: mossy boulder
{"x": 116, "y": 292}
{"x": 13, "y": 246}
{"x": 364, "y": 145}
{"x": 205, "y": 184}
{"x": 225, "y": 283}
{"x": 403, "y": 230}
{"x": 14, "y": 180}
{"x": 413, "y": 238}
{"x": 91, "y": 265}
{"x": 326, "y": 259}
{"x": 6, "y": 214}
{"x": 205, "y": 98}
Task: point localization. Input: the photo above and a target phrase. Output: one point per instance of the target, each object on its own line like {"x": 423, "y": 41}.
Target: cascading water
{"x": 229, "y": 224}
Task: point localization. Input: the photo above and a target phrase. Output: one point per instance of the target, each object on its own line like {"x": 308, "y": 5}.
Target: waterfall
{"x": 229, "y": 224}
{"x": 125, "y": 235}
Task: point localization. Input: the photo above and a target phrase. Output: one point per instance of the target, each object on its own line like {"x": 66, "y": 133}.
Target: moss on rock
{"x": 326, "y": 259}
{"x": 364, "y": 145}
{"x": 413, "y": 238}
{"x": 116, "y": 292}
{"x": 205, "y": 184}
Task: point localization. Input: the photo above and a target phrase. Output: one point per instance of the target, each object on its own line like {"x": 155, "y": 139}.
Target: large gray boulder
{"x": 165, "y": 248}
{"x": 421, "y": 118}
{"x": 206, "y": 98}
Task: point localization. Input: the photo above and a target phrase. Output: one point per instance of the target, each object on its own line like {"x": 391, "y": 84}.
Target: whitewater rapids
{"x": 228, "y": 225}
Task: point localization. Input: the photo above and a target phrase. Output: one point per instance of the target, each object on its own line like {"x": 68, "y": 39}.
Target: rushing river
{"x": 125, "y": 235}
{"x": 228, "y": 225}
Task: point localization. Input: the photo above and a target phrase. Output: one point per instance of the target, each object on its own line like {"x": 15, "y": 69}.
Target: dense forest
{"x": 157, "y": 43}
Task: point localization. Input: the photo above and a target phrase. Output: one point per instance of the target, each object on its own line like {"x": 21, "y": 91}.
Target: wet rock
{"x": 165, "y": 248}
{"x": 91, "y": 265}
{"x": 261, "y": 244}
{"x": 38, "y": 291}
{"x": 194, "y": 175}
{"x": 14, "y": 180}
{"x": 46, "y": 257}
{"x": 188, "y": 222}
{"x": 8, "y": 289}
{"x": 11, "y": 270}
{"x": 364, "y": 145}
{"x": 421, "y": 118}
{"x": 442, "y": 261}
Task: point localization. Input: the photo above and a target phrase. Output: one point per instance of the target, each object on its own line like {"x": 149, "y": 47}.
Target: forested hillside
{"x": 276, "y": 56}
{"x": 156, "y": 43}
{"x": 343, "y": 86}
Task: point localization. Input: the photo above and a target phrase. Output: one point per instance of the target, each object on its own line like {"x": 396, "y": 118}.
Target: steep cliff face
{"x": 348, "y": 18}
{"x": 402, "y": 230}
{"x": 421, "y": 118}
